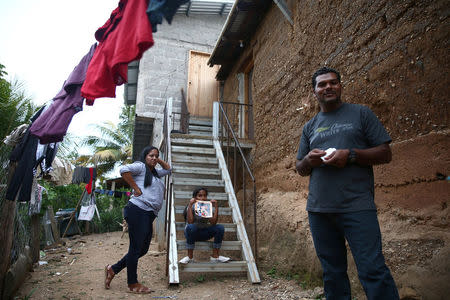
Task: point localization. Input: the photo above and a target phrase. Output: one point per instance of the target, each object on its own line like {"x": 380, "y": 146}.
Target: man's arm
{"x": 377, "y": 155}
{"x": 311, "y": 160}
{"x": 380, "y": 154}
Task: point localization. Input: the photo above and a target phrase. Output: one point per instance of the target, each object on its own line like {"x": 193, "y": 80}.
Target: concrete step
{"x": 200, "y": 128}
{"x": 192, "y": 141}
{"x": 193, "y": 150}
{"x": 207, "y": 267}
{"x": 223, "y": 211}
{"x": 198, "y": 182}
{"x": 226, "y": 245}
{"x": 177, "y": 169}
{"x": 201, "y": 121}
{"x": 229, "y": 227}
{"x": 184, "y": 196}
{"x": 180, "y": 158}
{"x": 200, "y": 133}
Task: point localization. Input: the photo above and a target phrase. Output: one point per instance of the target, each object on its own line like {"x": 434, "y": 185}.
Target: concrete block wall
{"x": 163, "y": 69}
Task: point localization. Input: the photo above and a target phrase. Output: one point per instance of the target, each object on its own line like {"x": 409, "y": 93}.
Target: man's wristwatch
{"x": 351, "y": 159}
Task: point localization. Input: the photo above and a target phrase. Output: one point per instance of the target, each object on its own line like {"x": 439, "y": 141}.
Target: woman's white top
{"x": 153, "y": 195}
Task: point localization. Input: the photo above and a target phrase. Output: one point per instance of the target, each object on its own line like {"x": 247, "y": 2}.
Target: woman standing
{"x": 141, "y": 210}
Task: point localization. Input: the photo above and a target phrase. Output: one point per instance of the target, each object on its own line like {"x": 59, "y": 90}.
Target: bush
{"x": 110, "y": 220}
{"x": 60, "y": 197}
{"x": 109, "y": 207}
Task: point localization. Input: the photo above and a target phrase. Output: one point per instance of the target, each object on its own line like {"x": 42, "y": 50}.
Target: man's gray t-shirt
{"x": 351, "y": 188}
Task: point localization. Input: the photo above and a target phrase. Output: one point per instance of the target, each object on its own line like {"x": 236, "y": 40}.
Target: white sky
{"x": 42, "y": 41}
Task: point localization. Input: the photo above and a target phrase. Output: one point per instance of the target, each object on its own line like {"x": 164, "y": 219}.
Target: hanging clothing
{"x": 16, "y": 135}
{"x": 123, "y": 38}
{"x": 36, "y": 198}
{"x": 45, "y": 154}
{"x": 157, "y": 9}
{"x": 52, "y": 125}
{"x": 88, "y": 207}
{"x": 25, "y": 155}
{"x": 83, "y": 175}
{"x": 89, "y": 185}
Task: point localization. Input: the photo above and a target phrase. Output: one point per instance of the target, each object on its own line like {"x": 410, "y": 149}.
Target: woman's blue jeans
{"x": 194, "y": 234}
{"x": 362, "y": 232}
{"x": 140, "y": 229}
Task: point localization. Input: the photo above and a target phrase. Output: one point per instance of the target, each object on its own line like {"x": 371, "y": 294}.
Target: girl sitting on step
{"x": 202, "y": 229}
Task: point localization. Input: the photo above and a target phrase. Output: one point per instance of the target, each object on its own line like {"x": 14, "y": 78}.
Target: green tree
{"x": 113, "y": 145}
{"x": 15, "y": 107}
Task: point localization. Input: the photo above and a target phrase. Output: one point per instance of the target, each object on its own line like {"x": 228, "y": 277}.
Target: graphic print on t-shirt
{"x": 328, "y": 131}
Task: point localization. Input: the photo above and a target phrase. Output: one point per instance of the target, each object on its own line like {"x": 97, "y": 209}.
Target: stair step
{"x": 198, "y": 182}
{"x": 191, "y": 141}
{"x": 193, "y": 159}
{"x": 184, "y": 196}
{"x": 204, "y": 122}
{"x": 232, "y": 266}
{"x": 226, "y": 245}
{"x": 200, "y": 128}
{"x": 229, "y": 227}
{"x": 195, "y": 170}
{"x": 193, "y": 150}
{"x": 223, "y": 211}
{"x": 200, "y": 133}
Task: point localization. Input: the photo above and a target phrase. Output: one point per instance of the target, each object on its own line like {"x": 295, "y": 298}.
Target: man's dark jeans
{"x": 140, "y": 229}
{"x": 362, "y": 232}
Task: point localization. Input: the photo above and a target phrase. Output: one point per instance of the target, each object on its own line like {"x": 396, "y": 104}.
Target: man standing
{"x": 341, "y": 189}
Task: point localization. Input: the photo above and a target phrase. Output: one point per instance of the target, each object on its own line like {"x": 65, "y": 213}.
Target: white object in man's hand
{"x": 328, "y": 152}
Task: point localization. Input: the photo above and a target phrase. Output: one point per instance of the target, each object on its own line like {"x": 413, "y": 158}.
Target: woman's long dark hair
{"x": 148, "y": 172}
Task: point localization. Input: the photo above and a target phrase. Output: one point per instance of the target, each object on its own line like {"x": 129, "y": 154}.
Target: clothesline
{"x": 116, "y": 194}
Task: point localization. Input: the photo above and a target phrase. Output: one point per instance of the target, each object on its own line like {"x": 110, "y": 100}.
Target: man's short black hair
{"x": 324, "y": 70}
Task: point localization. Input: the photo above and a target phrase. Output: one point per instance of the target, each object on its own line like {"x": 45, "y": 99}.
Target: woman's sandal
{"x": 138, "y": 288}
{"x": 109, "y": 275}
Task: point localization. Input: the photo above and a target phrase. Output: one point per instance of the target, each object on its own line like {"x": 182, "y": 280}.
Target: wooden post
{"x": 6, "y": 236}
{"x": 8, "y": 213}
{"x": 86, "y": 227}
{"x": 55, "y": 229}
{"x": 74, "y": 213}
{"x": 35, "y": 234}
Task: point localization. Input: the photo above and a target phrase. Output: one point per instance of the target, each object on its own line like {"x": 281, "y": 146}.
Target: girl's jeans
{"x": 194, "y": 234}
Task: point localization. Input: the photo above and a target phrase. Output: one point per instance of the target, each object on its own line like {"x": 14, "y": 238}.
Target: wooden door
{"x": 203, "y": 89}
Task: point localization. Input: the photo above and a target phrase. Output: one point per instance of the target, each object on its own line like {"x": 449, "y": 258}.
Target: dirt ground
{"x": 78, "y": 273}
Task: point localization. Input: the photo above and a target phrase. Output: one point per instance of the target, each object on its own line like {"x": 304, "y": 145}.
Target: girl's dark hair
{"x": 197, "y": 190}
{"x": 148, "y": 172}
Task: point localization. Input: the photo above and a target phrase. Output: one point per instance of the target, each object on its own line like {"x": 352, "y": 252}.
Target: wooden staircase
{"x": 197, "y": 160}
